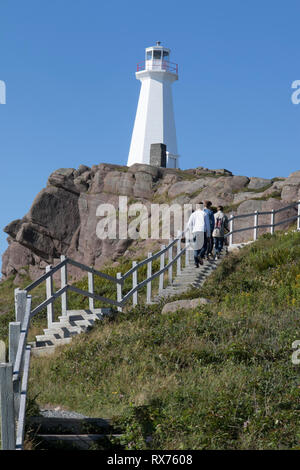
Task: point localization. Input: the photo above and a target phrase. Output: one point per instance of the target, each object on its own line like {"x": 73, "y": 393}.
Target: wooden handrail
{"x": 46, "y": 276}
{"x": 257, "y": 226}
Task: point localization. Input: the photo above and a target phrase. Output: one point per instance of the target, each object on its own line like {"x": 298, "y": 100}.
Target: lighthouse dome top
{"x": 158, "y": 58}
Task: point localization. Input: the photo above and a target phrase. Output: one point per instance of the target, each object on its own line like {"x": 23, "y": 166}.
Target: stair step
{"x": 43, "y": 341}
{"x": 54, "y": 425}
{"x": 96, "y": 311}
{"x": 42, "y": 351}
{"x": 64, "y": 332}
{"x": 74, "y": 441}
{"x": 63, "y": 322}
{"x": 80, "y": 317}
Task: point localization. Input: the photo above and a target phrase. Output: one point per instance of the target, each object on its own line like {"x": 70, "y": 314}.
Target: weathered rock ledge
{"x": 62, "y": 219}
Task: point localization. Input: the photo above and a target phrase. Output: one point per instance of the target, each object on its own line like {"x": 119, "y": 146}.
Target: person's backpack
{"x": 219, "y": 222}
{"x": 218, "y": 227}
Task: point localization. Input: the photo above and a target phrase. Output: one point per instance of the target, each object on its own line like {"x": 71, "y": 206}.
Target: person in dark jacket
{"x": 221, "y": 224}
{"x": 210, "y": 243}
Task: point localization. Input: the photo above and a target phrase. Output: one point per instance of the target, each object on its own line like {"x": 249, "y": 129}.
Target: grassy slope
{"x": 218, "y": 377}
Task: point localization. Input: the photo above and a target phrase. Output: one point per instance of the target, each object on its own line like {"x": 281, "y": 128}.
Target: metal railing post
{"x": 187, "y": 258}
{"x": 178, "y": 251}
{"x": 14, "y": 336}
{"x": 8, "y": 433}
{"x": 170, "y": 258}
{"x": 49, "y": 294}
{"x": 272, "y": 222}
{"x": 255, "y": 225}
{"x": 149, "y": 274}
{"x": 119, "y": 291}
{"x": 134, "y": 284}
{"x": 231, "y": 229}
{"x": 20, "y": 304}
{"x": 162, "y": 265}
{"x": 91, "y": 282}
{"x": 2, "y": 352}
{"x": 64, "y": 283}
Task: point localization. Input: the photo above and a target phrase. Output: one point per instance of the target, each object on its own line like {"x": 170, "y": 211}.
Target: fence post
{"x": 162, "y": 265}
{"x": 119, "y": 291}
{"x": 149, "y": 274}
{"x": 91, "y": 291}
{"x": 255, "y": 225}
{"x": 2, "y": 352}
{"x": 298, "y": 220}
{"x": 272, "y": 221}
{"x": 8, "y": 434}
{"x": 187, "y": 243}
{"x": 20, "y": 304}
{"x": 64, "y": 283}
{"x": 231, "y": 229}
{"x": 14, "y": 336}
{"x": 49, "y": 293}
{"x": 178, "y": 251}
{"x": 134, "y": 284}
{"x": 170, "y": 257}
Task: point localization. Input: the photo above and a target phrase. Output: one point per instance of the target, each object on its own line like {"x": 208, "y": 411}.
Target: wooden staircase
{"x": 61, "y": 332}
{"x": 54, "y": 433}
{"x": 190, "y": 276}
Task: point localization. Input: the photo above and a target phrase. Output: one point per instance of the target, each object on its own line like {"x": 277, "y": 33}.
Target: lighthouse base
{"x": 159, "y": 156}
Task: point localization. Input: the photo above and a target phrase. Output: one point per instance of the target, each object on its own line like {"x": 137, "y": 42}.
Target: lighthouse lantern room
{"x": 154, "y": 121}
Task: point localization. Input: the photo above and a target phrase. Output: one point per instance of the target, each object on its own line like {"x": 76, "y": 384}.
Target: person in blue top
{"x": 210, "y": 244}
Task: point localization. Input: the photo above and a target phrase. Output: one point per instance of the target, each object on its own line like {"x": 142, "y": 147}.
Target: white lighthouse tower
{"x": 154, "y": 121}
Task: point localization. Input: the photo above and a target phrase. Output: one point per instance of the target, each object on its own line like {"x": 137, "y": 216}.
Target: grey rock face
{"x": 258, "y": 183}
{"x": 63, "y": 218}
{"x": 188, "y": 187}
{"x": 250, "y": 207}
{"x": 294, "y": 178}
{"x": 188, "y": 304}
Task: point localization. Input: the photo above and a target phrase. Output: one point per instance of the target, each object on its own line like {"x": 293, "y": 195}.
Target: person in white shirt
{"x": 199, "y": 227}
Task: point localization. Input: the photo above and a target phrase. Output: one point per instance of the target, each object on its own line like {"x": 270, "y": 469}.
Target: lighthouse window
{"x": 166, "y": 55}
{"x": 149, "y": 55}
{"x": 157, "y": 55}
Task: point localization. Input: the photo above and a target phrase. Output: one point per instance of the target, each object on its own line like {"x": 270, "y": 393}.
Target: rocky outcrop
{"x": 63, "y": 218}
{"x": 188, "y": 304}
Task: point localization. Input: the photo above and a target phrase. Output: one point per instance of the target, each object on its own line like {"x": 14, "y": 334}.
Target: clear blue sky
{"x": 71, "y": 91}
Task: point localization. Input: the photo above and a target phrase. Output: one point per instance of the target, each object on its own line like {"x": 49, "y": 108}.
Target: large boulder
{"x": 258, "y": 183}
{"x": 249, "y": 207}
{"x": 15, "y": 258}
{"x": 189, "y": 187}
{"x": 290, "y": 192}
{"x": 294, "y": 178}
{"x": 143, "y": 186}
{"x": 187, "y": 304}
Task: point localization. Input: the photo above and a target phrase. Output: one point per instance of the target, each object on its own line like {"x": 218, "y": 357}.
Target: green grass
{"x": 217, "y": 377}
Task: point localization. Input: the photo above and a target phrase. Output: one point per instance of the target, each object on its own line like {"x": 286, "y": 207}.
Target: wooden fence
{"x": 272, "y": 225}
{"x": 14, "y": 374}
